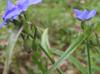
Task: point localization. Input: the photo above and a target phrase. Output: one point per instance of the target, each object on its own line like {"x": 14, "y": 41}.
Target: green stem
{"x": 10, "y": 49}
{"x": 89, "y": 59}
{"x": 52, "y": 60}
{"x": 82, "y": 25}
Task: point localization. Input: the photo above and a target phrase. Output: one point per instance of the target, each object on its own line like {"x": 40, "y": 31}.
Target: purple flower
{"x": 84, "y": 15}
{"x": 24, "y": 4}
{"x": 12, "y": 11}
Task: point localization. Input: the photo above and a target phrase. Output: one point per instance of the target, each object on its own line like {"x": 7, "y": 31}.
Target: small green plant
{"x": 49, "y": 37}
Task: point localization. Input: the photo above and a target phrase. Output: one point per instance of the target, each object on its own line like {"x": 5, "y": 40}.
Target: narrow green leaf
{"x": 45, "y": 47}
{"x": 73, "y": 60}
{"x": 70, "y": 50}
{"x": 9, "y": 51}
{"x": 44, "y": 41}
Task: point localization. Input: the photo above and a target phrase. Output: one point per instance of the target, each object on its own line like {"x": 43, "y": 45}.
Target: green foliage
{"x": 51, "y": 35}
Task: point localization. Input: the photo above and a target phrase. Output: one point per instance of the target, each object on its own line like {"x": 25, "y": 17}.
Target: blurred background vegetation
{"x": 58, "y": 16}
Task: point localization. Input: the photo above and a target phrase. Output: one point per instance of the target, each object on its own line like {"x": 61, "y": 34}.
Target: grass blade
{"x": 45, "y": 47}
{"x": 70, "y": 50}
{"x": 9, "y": 52}
{"x": 73, "y": 60}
